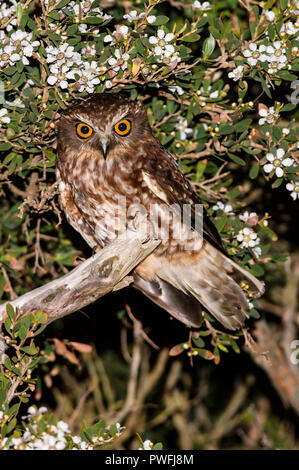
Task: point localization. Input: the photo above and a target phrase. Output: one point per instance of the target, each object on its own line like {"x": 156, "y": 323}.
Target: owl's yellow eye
{"x": 83, "y": 130}
{"x": 123, "y": 127}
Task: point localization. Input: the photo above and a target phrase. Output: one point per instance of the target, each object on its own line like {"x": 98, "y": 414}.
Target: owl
{"x": 109, "y": 162}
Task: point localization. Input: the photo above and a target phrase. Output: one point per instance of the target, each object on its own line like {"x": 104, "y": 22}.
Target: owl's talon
{"x": 95, "y": 249}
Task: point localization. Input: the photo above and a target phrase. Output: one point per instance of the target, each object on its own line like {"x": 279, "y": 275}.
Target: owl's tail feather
{"x": 216, "y": 281}
{"x": 183, "y": 307}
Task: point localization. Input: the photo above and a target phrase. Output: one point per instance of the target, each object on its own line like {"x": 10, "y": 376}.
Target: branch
{"x": 279, "y": 370}
{"x": 95, "y": 277}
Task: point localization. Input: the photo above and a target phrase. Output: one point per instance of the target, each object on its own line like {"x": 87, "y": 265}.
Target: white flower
{"x": 32, "y": 411}
{"x": 151, "y": 19}
{"x": 124, "y": 30}
{"x": 133, "y": 16}
{"x": 88, "y": 76}
{"x": 257, "y": 251}
{"x": 60, "y": 76}
{"x": 62, "y": 426}
{"x": 162, "y": 47}
{"x": 17, "y": 102}
{"x": 60, "y": 445}
{"x": 237, "y": 73}
{"x": 246, "y": 216}
{"x": 285, "y": 131}
{"x": 182, "y": 127}
{"x": 209, "y": 95}
{"x": 8, "y": 56}
{"x": 108, "y": 84}
{"x": 108, "y": 38}
{"x": 277, "y": 162}
{"x": 255, "y": 54}
{"x": 4, "y": 119}
{"x": 248, "y": 238}
{"x": 176, "y": 89}
{"x": 119, "y": 427}
{"x": 90, "y": 50}
{"x": 277, "y": 52}
{"x": 42, "y": 410}
{"x": 289, "y": 29}
{"x": 226, "y": 208}
{"x": 6, "y": 12}
{"x": 203, "y": 7}
{"x": 23, "y": 44}
{"x": 214, "y": 94}
{"x": 269, "y": 116}
{"x": 119, "y": 61}
{"x": 270, "y": 15}
{"x": 147, "y": 445}
{"x": 62, "y": 55}
{"x": 293, "y": 187}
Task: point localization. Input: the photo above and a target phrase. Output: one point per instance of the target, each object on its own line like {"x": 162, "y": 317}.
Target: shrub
{"x": 219, "y": 84}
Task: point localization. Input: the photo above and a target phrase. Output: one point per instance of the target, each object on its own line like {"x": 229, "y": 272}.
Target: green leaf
{"x": 283, "y": 4}
{"x": 10, "y": 70}
{"x": 271, "y": 31}
{"x": 254, "y": 171}
{"x": 277, "y": 183}
{"x": 32, "y": 349}
{"x": 158, "y": 446}
{"x": 11, "y": 425}
{"x": 254, "y": 313}
{"x": 72, "y": 30}
{"x": 285, "y": 75}
{"x": 54, "y": 15}
{"x": 288, "y": 107}
{"x": 243, "y": 125}
{"x": 277, "y": 133}
{"x": 215, "y": 32}
{"x": 7, "y": 324}
{"x": 93, "y": 20}
{"x": 22, "y": 332}
{"x": 256, "y": 270}
{"x": 5, "y": 146}
{"x": 10, "y": 311}
{"x": 199, "y": 342}
{"x": 221, "y": 223}
{"x": 161, "y": 19}
{"x": 208, "y": 46}
{"x": 226, "y": 129}
{"x": 62, "y": 4}
{"x": 192, "y": 37}
{"x": 236, "y": 159}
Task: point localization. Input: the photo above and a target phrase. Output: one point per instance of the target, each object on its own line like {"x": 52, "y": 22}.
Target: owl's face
{"x": 104, "y": 125}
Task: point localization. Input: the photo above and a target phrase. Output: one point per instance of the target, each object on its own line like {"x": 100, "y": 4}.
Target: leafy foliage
{"x": 209, "y": 76}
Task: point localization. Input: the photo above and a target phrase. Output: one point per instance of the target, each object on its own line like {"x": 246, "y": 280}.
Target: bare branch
{"x": 95, "y": 277}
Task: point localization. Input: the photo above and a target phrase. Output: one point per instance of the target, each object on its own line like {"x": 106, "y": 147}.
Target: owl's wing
{"x": 166, "y": 180}
{"x": 209, "y": 276}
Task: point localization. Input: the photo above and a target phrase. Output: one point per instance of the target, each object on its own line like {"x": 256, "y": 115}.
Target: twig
{"x": 145, "y": 336}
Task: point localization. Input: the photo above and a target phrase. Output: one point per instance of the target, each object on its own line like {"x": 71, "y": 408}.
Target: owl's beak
{"x": 104, "y": 144}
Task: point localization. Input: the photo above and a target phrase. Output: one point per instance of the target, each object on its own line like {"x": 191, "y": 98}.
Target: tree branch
{"x": 95, "y": 277}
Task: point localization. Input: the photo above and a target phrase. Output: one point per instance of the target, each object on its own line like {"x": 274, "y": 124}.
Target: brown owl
{"x": 109, "y": 158}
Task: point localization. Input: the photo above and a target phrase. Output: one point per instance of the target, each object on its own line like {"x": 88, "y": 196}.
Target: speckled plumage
{"x": 138, "y": 168}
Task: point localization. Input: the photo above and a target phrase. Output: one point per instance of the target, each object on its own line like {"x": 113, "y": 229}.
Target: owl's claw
{"x": 95, "y": 249}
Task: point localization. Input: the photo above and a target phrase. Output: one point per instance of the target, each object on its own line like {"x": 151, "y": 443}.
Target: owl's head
{"x": 104, "y": 123}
